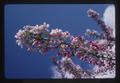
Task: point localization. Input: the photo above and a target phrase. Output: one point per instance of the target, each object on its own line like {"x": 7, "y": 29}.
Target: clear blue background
{"x": 69, "y": 17}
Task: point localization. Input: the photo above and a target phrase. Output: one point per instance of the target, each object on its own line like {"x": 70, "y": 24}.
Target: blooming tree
{"x": 98, "y": 52}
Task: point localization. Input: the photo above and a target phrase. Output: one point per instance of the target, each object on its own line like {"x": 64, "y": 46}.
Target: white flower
{"x": 19, "y": 33}
{"x": 19, "y": 43}
{"x": 63, "y": 59}
{"x": 74, "y": 40}
{"x": 78, "y": 67}
{"x": 46, "y": 25}
{"x": 65, "y": 34}
{"x": 88, "y": 30}
{"x": 91, "y": 12}
{"x": 16, "y": 36}
{"x": 56, "y": 32}
{"x": 38, "y": 29}
{"x": 105, "y": 55}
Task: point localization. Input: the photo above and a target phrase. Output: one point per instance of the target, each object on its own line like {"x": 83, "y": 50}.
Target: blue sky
{"x": 19, "y": 63}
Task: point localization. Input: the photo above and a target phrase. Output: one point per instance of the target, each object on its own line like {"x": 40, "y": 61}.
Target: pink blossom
{"x": 98, "y": 52}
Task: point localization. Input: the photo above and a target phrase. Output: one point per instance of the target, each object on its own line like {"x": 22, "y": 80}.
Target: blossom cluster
{"x": 67, "y": 67}
{"x": 97, "y": 52}
{"x": 39, "y": 37}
